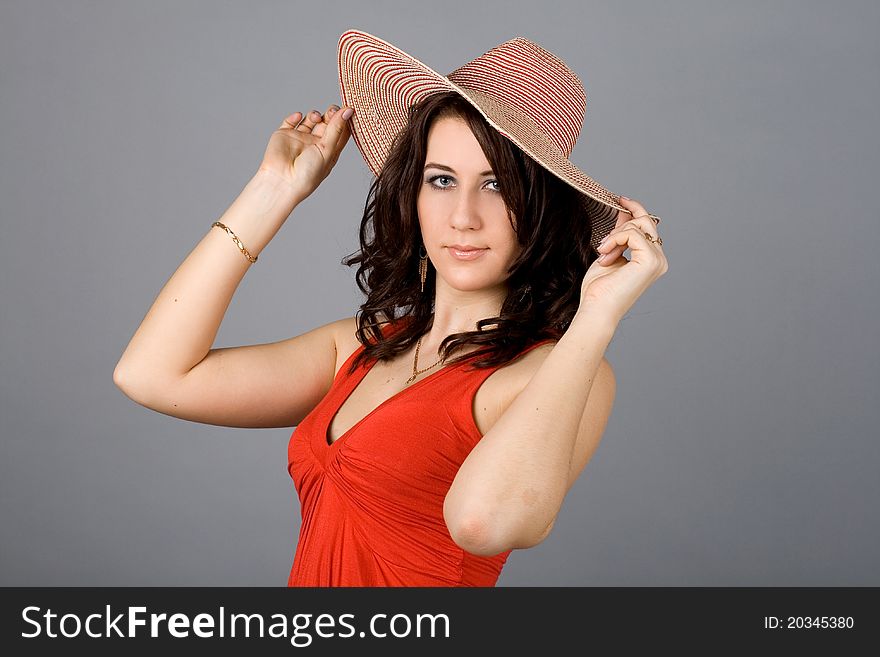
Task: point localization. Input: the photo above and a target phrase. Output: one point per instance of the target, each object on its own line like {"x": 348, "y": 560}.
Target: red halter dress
{"x": 372, "y": 501}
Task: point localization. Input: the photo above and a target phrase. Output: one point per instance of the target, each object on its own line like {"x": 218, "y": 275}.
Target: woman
{"x": 441, "y": 427}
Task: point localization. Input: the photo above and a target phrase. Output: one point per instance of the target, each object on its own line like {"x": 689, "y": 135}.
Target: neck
{"x": 461, "y": 314}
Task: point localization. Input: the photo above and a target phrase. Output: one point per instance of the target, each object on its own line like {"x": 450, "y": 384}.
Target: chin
{"x": 470, "y": 283}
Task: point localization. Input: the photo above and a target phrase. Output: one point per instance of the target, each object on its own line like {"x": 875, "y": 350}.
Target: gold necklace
{"x": 416, "y": 372}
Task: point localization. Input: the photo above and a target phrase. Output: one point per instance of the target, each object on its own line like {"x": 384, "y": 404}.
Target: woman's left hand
{"x": 612, "y": 283}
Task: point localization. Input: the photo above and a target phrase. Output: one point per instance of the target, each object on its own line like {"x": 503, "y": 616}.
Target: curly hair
{"x": 551, "y": 219}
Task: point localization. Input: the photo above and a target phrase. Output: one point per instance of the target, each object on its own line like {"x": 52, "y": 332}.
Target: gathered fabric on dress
{"x": 372, "y": 501}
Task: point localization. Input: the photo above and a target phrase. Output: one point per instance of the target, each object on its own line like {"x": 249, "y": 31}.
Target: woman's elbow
{"x": 475, "y": 535}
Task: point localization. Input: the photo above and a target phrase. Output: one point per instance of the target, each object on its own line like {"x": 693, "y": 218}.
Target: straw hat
{"x": 523, "y": 91}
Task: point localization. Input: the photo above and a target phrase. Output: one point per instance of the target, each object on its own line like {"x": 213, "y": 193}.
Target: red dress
{"x": 372, "y": 501}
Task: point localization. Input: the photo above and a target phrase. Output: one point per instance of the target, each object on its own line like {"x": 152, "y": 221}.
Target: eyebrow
{"x": 451, "y": 170}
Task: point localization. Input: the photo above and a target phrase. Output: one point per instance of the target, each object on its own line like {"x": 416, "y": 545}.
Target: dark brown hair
{"x": 551, "y": 220}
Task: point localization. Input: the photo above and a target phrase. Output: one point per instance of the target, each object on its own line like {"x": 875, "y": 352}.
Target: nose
{"x": 466, "y": 212}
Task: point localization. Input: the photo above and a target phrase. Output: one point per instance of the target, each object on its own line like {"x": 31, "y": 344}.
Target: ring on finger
{"x": 648, "y": 235}
{"x": 650, "y": 238}
{"x": 658, "y": 240}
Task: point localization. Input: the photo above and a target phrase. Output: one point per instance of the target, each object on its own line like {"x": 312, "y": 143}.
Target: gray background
{"x": 742, "y": 449}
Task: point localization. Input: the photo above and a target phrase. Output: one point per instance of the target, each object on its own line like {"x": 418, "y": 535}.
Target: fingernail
{"x": 624, "y": 198}
{"x": 347, "y": 113}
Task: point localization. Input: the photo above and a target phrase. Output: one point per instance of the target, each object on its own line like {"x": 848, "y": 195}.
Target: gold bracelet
{"x": 236, "y": 240}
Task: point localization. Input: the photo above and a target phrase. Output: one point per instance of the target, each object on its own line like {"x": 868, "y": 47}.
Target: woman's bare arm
{"x": 182, "y": 323}
{"x": 510, "y": 488}
{"x": 169, "y": 365}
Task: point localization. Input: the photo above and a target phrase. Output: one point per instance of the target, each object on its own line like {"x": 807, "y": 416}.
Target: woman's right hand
{"x": 303, "y": 154}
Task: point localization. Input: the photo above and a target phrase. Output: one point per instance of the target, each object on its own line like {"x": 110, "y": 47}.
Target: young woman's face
{"x": 462, "y": 204}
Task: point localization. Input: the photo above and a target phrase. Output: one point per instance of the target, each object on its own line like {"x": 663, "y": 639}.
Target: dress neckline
{"x": 360, "y": 377}
{"x": 361, "y": 373}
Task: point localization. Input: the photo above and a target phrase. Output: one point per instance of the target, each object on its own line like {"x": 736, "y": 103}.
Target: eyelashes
{"x": 430, "y": 183}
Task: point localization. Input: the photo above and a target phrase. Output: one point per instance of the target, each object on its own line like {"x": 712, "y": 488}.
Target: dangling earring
{"x": 423, "y": 265}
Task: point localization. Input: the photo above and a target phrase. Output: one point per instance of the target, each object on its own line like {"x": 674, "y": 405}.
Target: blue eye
{"x": 433, "y": 178}
{"x": 431, "y": 184}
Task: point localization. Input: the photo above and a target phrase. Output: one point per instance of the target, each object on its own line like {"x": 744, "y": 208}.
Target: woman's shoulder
{"x": 515, "y": 375}
{"x": 528, "y": 362}
{"x": 505, "y": 384}
{"x": 346, "y": 340}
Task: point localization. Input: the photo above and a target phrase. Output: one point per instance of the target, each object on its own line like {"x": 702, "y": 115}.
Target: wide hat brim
{"x": 381, "y": 82}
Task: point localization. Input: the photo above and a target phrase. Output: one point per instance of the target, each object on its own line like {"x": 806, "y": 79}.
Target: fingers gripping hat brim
{"x": 381, "y": 83}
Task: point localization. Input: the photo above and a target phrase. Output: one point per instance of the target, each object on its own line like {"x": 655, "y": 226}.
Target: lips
{"x": 460, "y": 247}
{"x": 467, "y": 253}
